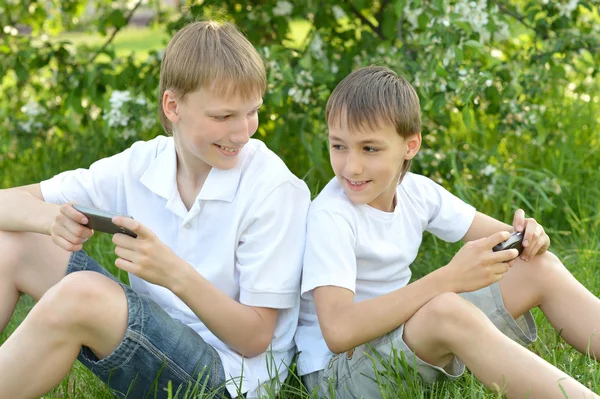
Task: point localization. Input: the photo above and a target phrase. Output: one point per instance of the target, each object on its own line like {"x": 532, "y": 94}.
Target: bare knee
{"x": 77, "y": 301}
{"x": 542, "y": 271}
{"x": 448, "y": 315}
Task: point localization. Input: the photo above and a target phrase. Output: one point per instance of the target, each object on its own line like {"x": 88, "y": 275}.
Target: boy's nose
{"x": 241, "y": 135}
{"x": 354, "y": 166}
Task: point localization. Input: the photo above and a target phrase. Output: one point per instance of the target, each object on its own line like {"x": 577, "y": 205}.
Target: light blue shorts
{"x": 352, "y": 374}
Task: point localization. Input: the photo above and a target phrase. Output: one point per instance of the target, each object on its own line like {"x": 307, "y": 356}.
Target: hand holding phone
{"x": 101, "y": 220}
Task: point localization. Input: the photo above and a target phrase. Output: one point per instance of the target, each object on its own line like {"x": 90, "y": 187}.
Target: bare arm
{"x": 346, "y": 324}
{"x": 246, "y": 329}
{"x": 23, "y": 209}
{"x": 484, "y": 226}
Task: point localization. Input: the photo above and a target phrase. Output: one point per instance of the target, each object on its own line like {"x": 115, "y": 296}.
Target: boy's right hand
{"x": 68, "y": 230}
{"x": 476, "y": 266}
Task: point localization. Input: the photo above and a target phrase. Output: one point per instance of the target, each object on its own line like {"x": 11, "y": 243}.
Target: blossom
{"x": 488, "y": 170}
{"x": 32, "y": 109}
{"x": 338, "y": 12}
{"x": 316, "y": 46}
{"x": 283, "y": 8}
{"x": 567, "y": 9}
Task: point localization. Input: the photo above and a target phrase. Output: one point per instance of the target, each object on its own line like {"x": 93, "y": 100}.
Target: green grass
{"x": 571, "y": 218}
{"x": 130, "y": 39}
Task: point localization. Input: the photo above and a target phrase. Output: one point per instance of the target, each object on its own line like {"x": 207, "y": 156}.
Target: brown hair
{"x": 374, "y": 97}
{"x": 208, "y": 54}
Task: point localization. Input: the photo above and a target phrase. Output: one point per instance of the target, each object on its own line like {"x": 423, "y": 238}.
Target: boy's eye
{"x": 371, "y": 149}
{"x": 337, "y": 147}
{"x": 221, "y": 117}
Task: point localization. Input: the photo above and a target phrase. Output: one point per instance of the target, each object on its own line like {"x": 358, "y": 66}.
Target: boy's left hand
{"x": 145, "y": 256}
{"x": 536, "y": 241}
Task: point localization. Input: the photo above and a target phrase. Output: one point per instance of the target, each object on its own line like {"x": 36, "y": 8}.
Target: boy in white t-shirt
{"x": 214, "y": 270}
{"x": 363, "y": 232}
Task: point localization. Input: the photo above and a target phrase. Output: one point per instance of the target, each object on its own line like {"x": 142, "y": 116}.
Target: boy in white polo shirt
{"x": 363, "y": 232}
{"x": 215, "y": 267}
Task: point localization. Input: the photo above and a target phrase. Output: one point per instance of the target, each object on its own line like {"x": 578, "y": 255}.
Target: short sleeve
{"x": 449, "y": 216}
{"x": 99, "y": 186}
{"x": 329, "y": 258}
{"x": 269, "y": 254}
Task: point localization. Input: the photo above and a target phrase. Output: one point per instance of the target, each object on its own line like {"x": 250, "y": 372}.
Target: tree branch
{"x": 364, "y": 20}
{"x": 114, "y": 33}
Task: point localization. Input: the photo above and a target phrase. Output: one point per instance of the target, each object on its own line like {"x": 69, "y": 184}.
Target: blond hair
{"x": 212, "y": 55}
{"x": 374, "y": 97}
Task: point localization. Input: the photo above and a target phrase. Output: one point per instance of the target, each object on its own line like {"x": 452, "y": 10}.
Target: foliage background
{"x": 509, "y": 92}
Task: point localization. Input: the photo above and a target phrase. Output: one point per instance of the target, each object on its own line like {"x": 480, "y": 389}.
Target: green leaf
{"x": 399, "y": 6}
{"x": 458, "y": 55}
{"x": 467, "y": 118}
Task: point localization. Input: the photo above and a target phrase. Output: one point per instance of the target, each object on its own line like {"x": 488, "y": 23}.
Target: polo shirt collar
{"x": 220, "y": 185}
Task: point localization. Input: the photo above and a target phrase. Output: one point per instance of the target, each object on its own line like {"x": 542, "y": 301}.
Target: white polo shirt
{"x": 368, "y": 251}
{"x": 245, "y": 233}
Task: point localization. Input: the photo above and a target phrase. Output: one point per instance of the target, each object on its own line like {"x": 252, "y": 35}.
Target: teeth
{"x": 227, "y": 148}
{"x": 357, "y": 183}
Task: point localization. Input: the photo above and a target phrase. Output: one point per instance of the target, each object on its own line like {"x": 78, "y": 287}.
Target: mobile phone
{"x": 101, "y": 220}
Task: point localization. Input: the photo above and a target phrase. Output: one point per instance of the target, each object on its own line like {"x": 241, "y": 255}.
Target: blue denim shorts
{"x": 156, "y": 351}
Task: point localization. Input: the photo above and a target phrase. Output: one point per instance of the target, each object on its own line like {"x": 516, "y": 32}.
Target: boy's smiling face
{"x": 212, "y": 128}
{"x": 368, "y": 162}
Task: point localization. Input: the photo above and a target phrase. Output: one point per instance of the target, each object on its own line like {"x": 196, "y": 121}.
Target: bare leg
{"x": 567, "y": 304}
{"x": 449, "y": 325}
{"x": 84, "y": 308}
{"x": 30, "y": 263}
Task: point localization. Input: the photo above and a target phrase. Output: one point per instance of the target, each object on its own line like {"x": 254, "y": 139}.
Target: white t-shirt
{"x": 368, "y": 251}
{"x": 245, "y": 233}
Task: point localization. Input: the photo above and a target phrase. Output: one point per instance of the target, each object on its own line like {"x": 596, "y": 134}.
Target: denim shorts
{"x": 353, "y": 374}
{"x": 155, "y": 352}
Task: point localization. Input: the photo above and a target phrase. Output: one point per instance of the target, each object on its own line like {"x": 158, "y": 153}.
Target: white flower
{"x": 334, "y": 69}
{"x": 488, "y": 170}
{"x": 488, "y": 83}
{"x": 283, "y": 8}
{"x": 502, "y": 33}
{"x": 338, "y": 12}
{"x": 567, "y": 9}
{"x": 127, "y": 133}
{"x": 118, "y": 98}
{"x": 32, "y": 109}
{"x": 148, "y": 122}
{"x": 316, "y": 46}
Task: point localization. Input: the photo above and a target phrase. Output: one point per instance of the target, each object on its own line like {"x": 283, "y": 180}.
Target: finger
{"x": 530, "y": 239}
{"x": 499, "y": 268}
{"x": 75, "y": 229}
{"x": 504, "y": 256}
{"x": 124, "y": 241}
{"x": 531, "y": 228}
{"x": 519, "y": 220}
{"x": 537, "y": 249}
{"x": 73, "y": 214}
{"x": 133, "y": 225}
{"x": 64, "y": 232}
{"x": 512, "y": 262}
{"x": 125, "y": 253}
{"x": 65, "y": 244}
{"x": 125, "y": 265}
{"x": 495, "y": 239}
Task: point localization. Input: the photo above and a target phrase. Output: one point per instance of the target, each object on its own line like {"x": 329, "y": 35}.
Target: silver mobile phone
{"x": 101, "y": 220}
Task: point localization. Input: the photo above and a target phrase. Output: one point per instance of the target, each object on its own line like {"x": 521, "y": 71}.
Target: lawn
{"x": 572, "y": 224}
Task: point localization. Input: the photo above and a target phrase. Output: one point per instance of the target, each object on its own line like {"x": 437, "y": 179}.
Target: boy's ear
{"x": 413, "y": 145}
{"x": 169, "y": 104}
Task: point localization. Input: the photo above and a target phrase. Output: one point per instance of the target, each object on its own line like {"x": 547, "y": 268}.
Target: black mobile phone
{"x": 101, "y": 220}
